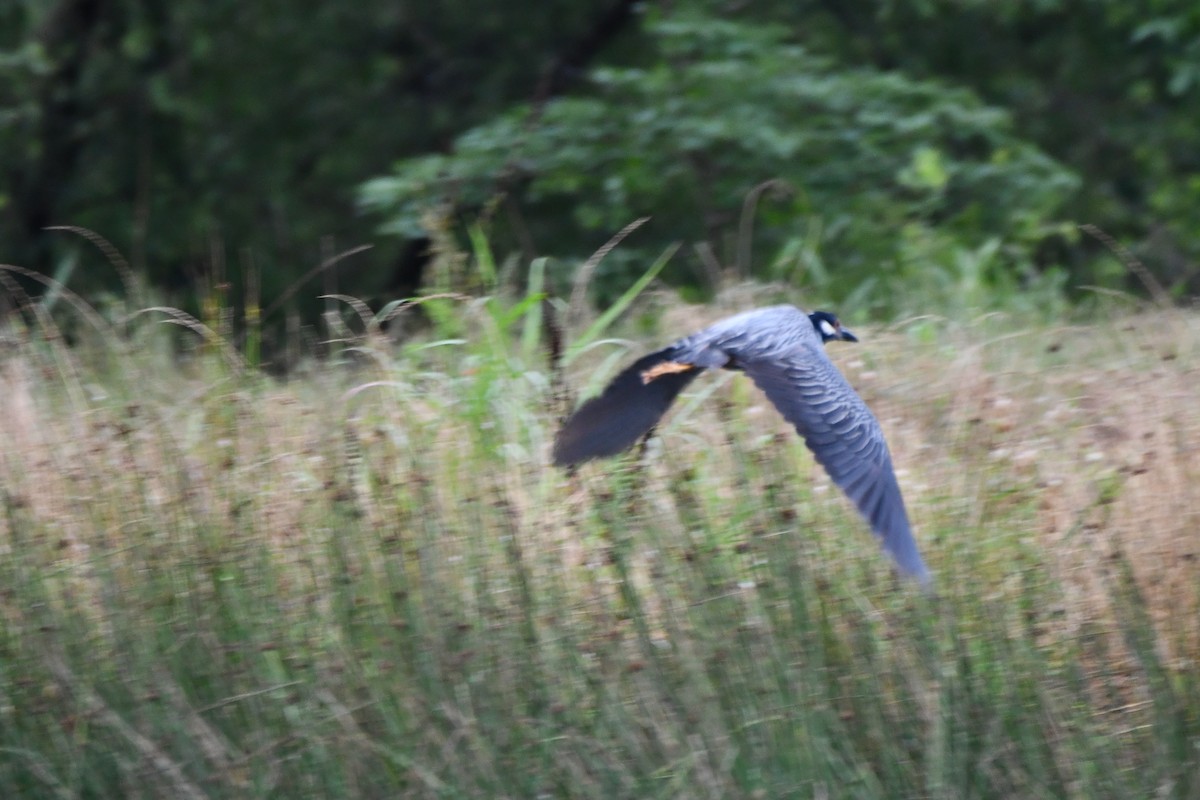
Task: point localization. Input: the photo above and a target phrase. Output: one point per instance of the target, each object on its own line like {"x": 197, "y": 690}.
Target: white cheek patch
{"x": 828, "y": 329}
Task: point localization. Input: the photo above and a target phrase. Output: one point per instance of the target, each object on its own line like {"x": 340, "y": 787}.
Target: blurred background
{"x": 891, "y": 156}
{"x": 365, "y": 579}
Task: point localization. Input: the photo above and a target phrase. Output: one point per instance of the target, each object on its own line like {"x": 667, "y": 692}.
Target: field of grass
{"x": 366, "y": 581}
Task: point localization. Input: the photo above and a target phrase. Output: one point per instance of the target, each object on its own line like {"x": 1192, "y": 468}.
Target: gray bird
{"x": 782, "y": 349}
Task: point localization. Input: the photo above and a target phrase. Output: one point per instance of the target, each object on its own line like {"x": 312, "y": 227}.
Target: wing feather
{"x": 844, "y": 436}
{"x": 626, "y": 410}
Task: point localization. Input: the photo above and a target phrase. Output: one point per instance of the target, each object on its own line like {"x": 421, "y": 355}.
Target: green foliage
{"x": 1108, "y": 89}
{"x": 226, "y": 143}
{"x": 723, "y": 108}
{"x": 222, "y": 138}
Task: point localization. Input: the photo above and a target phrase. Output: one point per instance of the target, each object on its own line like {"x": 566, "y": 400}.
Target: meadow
{"x": 364, "y": 579}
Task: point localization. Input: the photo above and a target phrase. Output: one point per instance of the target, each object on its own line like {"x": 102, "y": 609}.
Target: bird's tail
{"x": 625, "y": 411}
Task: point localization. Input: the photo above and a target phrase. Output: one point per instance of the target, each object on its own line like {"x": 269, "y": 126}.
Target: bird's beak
{"x": 845, "y": 335}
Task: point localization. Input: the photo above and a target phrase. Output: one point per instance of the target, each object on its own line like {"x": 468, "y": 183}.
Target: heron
{"x": 781, "y": 349}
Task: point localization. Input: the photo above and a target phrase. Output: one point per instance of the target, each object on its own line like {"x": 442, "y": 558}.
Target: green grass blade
{"x": 597, "y": 328}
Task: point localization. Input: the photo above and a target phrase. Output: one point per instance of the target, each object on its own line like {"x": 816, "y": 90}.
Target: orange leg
{"x": 665, "y": 368}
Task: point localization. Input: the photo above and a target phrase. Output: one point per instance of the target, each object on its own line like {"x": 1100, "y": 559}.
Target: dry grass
{"x": 1090, "y": 433}
{"x": 1093, "y": 431}
{"x": 1037, "y": 463}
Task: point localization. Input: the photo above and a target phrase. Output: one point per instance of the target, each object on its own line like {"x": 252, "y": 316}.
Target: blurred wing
{"x": 624, "y": 412}
{"x": 845, "y": 438}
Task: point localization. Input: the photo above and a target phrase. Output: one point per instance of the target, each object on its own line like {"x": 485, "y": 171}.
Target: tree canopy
{"x": 858, "y": 145}
{"x": 730, "y": 111}
{"x": 195, "y": 132}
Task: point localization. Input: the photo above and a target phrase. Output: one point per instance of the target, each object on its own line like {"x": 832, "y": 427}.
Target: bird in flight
{"x": 781, "y": 349}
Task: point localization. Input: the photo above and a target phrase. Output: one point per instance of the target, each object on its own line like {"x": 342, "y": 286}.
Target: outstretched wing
{"x": 844, "y": 437}
{"x": 624, "y": 412}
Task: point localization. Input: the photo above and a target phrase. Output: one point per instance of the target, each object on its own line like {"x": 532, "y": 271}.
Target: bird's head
{"x": 830, "y": 327}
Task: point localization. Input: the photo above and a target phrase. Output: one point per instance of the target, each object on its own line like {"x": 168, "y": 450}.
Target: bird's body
{"x": 781, "y": 349}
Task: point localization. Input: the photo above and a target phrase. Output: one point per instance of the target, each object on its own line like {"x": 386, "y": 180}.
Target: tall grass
{"x": 367, "y": 581}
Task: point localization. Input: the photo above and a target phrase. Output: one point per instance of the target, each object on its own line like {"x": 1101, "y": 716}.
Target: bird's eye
{"x": 827, "y": 328}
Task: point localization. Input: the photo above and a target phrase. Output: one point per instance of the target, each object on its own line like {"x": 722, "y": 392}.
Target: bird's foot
{"x": 665, "y": 368}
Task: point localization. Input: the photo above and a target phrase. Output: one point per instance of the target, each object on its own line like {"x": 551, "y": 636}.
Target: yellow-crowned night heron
{"x": 781, "y": 349}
